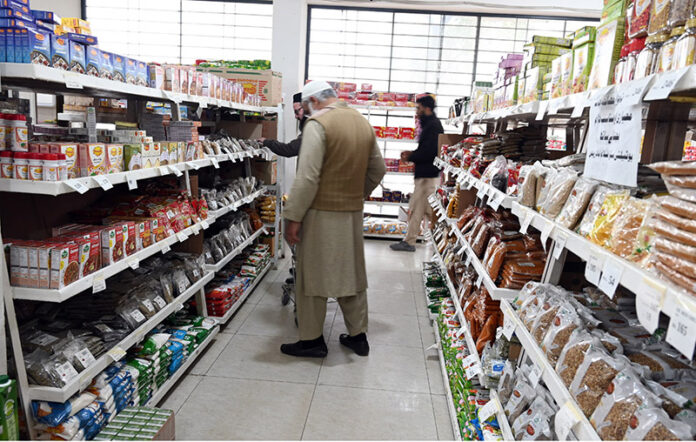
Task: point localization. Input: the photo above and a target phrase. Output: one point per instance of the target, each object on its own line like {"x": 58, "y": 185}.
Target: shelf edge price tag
{"x": 77, "y": 186}
{"x": 468, "y": 259}
{"x": 508, "y": 327}
{"x": 529, "y": 216}
{"x": 98, "y": 284}
{"x": 72, "y": 81}
{"x": 215, "y": 162}
{"x": 566, "y": 418}
{"x": 681, "y": 332}
{"x": 165, "y": 248}
{"x": 535, "y": 375}
{"x": 561, "y": 240}
{"x": 196, "y": 229}
{"x": 164, "y": 170}
{"x": 132, "y": 182}
{"x": 649, "y": 302}
{"x": 488, "y": 410}
{"x": 469, "y": 360}
{"x": 205, "y": 224}
{"x": 545, "y": 233}
{"x": 175, "y": 170}
{"x": 103, "y": 182}
{"x": 665, "y": 84}
{"x": 593, "y": 269}
{"x": 469, "y": 183}
{"x": 579, "y": 106}
{"x": 133, "y": 263}
{"x": 181, "y": 236}
{"x": 481, "y": 193}
{"x": 611, "y": 276}
{"x": 496, "y": 200}
{"x": 543, "y": 105}
{"x": 116, "y": 353}
{"x": 194, "y": 165}
{"x": 473, "y": 371}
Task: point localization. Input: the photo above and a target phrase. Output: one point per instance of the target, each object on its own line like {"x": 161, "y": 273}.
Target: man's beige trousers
{"x": 311, "y": 314}
{"x": 419, "y": 207}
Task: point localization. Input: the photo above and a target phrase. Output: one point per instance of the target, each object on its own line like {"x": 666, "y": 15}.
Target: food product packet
{"x": 558, "y": 191}
{"x": 593, "y": 377}
{"x": 652, "y": 423}
{"x": 593, "y": 208}
{"x": 577, "y": 202}
{"x": 601, "y": 230}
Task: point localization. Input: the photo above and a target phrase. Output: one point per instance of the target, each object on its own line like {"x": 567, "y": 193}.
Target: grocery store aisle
{"x": 244, "y": 388}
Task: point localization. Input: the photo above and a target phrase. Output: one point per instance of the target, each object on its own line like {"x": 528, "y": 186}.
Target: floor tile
{"x": 259, "y": 357}
{"x": 270, "y": 320}
{"x": 341, "y": 413}
{"x": 391, "y": 302}
{"x": 427, "y": 331}
{"x": 229, "y": 409}
{"x": 390, "y": 281}
{"x": 386, "y": 329}
{"x": 177, "y": 396}
{"x": 434, "y": 370}
{"x": 236, "y": 321}
{"x": 386, "y": 368}
{"x": 208, "y": 358}
{"x": 443, "y": 421}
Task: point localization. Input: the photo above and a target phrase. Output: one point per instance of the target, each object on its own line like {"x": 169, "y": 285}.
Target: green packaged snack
{"x": 133, "y": 156}
{"x": 563, "y": 42}
{"x": 125, "y": 435}
{"x": 434, "y": 280}
{"x": 584, "y": 35}
{"x": 582, "y": 67}
{"x": 614, "y": 11}
{"x": 8, "y": 401}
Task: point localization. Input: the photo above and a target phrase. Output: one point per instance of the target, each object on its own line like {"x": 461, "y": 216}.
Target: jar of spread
{"x": 647, "y": 58}
{"x": 686, "y": 46}
{"x": 6, "y": 164}
{"x": 667, "y": 50}
{"x": 21, "y": 165}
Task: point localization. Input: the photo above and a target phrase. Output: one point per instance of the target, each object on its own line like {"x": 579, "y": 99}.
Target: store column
{"x": 288, "y": 57}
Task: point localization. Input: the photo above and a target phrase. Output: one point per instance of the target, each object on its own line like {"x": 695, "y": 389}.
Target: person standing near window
{"x": 427, "y": 175}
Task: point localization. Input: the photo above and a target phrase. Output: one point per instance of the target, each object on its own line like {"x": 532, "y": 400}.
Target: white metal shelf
{"x": 448, "y": 390}
{"x": 400, "y": 173}
{"x": 39, "y": 77}
{"x": 53, "y": 394}
{"x": 237, "y": 204}
{"x": 383, "y": 236}
{"x": 386, "y": 204}
{"x": 223, "y": 262}
{"x": 583, "y": 430}
{"x": 399, "y": 140}
{"x": 247, "y": 292}
{"x": 494, "y": 197}
{"x": 502, "y": 419}
{"x": 162, "y": 391}
{"x": 374, "y": 107}
{"x": 63, "y": 187}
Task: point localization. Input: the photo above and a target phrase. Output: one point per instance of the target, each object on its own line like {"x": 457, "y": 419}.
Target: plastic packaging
{"x": 652, "y": 423}
{"x": 544, "y": 318}
{"x": 661, "y": 367}
{"x": 526, "y": 427}
{"x": 593, "y": 377}
{"x": 522, "y": 395}
{"x": 506, "y": 382}
{"x": 558, "y": 191}
{"x": 673, "y": 233}
{"x": 680, "y": 12}
{"x": 678, "y": 207}
{"x": 526, "y": 195}
{"x": 624, "y": 232}
{"x": 573, "y": 354}
{"x": 659, "y": 16}
{"x": 648, "y": 56}
{"x": 686, "y": 46}
{"x": 559, "y": 332}
{"x": 639, "y": 18}
{"x": 593, "y": 208}
{"x": 668, "y": 49}
{"x": 577, "y": 202}
{"x": 601, "y": 231}
{"x": 543, "y": 187}
{"x": 677, "y": 249}
{"x": 676, "y": 264}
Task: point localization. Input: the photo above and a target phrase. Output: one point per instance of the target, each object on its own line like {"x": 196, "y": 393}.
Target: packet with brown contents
{"x": 593, "y": 377}
{"x": 564, "y": 323}
{"x": 573, "y": 354}
{"x": 654, "y": 424}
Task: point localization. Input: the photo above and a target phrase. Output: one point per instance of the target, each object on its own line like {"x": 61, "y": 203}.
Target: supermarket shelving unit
{"x": 81, "y": 191}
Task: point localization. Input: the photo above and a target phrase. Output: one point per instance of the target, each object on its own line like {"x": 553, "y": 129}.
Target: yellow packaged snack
{"x": 601, "y": 231}
{"x": 624, "y": 237}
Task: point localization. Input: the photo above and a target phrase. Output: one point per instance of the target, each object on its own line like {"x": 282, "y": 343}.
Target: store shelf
{"x": 494, "y": 291}
{"x": 61, "y": 295}
{"x": 385, "y": 204}
{"x": 224, "y": 319}
{"x": 448, "y": 390}
{"x": 237, "y": 204}
{"x": 374, "y": 108}
{"x": 583, "y": 430}
{"x": 400, "y": 173}
{"x": 161, "y": 392}
{"x": 494, "y": 197}
{"x": 223, "y": 262}
{"x": 633, "y": 278}
{"x": 81, "y": 382}
{"x": 43, "y": 78}
{"x": 402, "y": 140}
{"x": 69, "y": 186}
{"x": 502, "y": 419}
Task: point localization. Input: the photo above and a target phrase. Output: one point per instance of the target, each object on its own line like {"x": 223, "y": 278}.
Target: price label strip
{"x": 488, "y": 410}
{"x": 132, "y": 182}
{"x": 593, "y": 269}
{"x": 546, "y": 233}
{"x": 543, "y": 105}
{"x": 103, "y": 182}
{"x": 535, "y": 375}
{"x": 133, "y": 263}
{"x": 175, "y": 170}
{"x": 215, "y": 162}
{"x": 649, "y": 301}
{"x": 524, "y": 226}
{"x": 665, "y": 84}
{"x": 611, "y": 276}
{"x": 98, "y": 284}
{"x": 116, "y": 353}
{"x": 165, "y": 248}
{"x": 681, "y": 332}
{"x": 566, "y": 418}
{"x": 561, "y": 240}
{"x": 77, "y": 186}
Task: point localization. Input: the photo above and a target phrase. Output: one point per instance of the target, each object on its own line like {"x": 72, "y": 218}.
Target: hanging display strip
{"x": 247, "y": 292}
{"x": 100, "y": 276}
{"x": 495, "y": 292}
{"x": 44, "y": 78}
{"x": 52, "y": 394}
{"x": 581, "y": 426}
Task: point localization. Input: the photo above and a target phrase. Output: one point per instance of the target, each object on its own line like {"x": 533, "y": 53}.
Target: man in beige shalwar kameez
{"x": 339, "y": 166}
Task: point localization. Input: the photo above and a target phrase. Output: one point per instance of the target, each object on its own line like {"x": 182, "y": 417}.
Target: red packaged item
{"x": 398, "y": 97}
{"x": 639, "y": 18}
{"x": 407, "y": 133}
{"x": 347, "y": 87}
{"x": 65, "y": 267}
{"x": 391, "y": 133}
{"x": 363, "y": 96}
{"x": 385, "y": 96}
{"x": 112, "y": 245}
{"x": 366, "y": 87}
{"x": 379, "y": 131}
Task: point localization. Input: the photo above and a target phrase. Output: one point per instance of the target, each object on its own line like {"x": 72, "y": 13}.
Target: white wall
{"x": 64, "y": 8}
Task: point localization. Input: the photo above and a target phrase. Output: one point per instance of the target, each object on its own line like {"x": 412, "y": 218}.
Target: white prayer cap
{"x": 313, "y": 88}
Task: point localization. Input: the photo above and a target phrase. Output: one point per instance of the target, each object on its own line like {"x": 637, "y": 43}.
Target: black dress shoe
{"x": 316, "y": 348}
{"x": 290, "y": 280}
{"x": 357, "y": 343}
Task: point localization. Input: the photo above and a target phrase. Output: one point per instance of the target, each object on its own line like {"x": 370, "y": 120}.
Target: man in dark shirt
{"x": 291, "y": 149}
{"x": 427, "y": 175}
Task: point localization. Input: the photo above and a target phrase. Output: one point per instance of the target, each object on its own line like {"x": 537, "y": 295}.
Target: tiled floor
{"x": 244, "y": 388}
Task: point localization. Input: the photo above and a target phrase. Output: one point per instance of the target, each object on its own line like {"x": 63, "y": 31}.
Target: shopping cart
{"x": 289, "y": 289}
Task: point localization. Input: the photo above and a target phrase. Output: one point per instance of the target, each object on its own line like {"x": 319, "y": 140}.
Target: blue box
{"x": 13, "y": 13}
{"x": 45, "y": 26}
{"x": 10, "y": 45}
{"x": 86, "y": 40}
{"x": 77, "y": 57}
{"x": 131, "y": 70}
{"x": 16, "y": 23}
{"x": 141, "y": 74}
{"x": 18, "y": 5}
{"x": 118, "y": 63}
{"x": 39, "y": 49}
{"x": 106, "y": 69}
{"x": 60, "y": 52}
{"x": 3, "y": 43}
{"x": 48, "y": 16}
{"x": 92, "y": 61}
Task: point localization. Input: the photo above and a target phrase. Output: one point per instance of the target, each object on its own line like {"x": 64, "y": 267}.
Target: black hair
{"x": 427, "y": 101}
{"x": 297, "y": 98}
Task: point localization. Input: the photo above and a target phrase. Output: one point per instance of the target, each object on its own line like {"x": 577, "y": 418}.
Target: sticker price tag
{"x": 132, "y": 182}
{"x": 86, "y": 357}
{"x": 175, "y": 170}
{"x": 649, "y": 303}
{"x": 545, "y": 233}
{"x": 215, "y": 162}
{"x": 103, "y": 182}
{"x": 593, "y": 269}
{"x": 682, "y": 329}
{"x": 133, "y": 263}
{"x": 508, "y": 327}
{"x": 77, "y": 186}
{"x": 524, "y": 226}
{"x": 196, "y": 229}
{"x": 561, "y": 240}
{"x": 566, "y": 418}
{"x": 164, "y": 170}
{"x": 205, "y": 224}
{"x": 488, "y": 410}
{"x": 611, "y": 276}
{"x": 181, "y": 236}
{"x": 165, "y": 248}
{"x": 116, "y": 353}
{"x": 535, "y": 375}
{"x": 72, "y": 81}
{"x": 98, "y": 284}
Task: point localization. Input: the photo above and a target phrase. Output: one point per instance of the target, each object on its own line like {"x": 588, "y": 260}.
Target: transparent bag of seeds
{"x": 558, "y": 192}
{"x": 538, "y": 405}
{"x": 652, "y": 423}
{"x": 588, "y": 219}
{"x": 593, "y": 377}
{"x": 573, "y": 354}
{"x": 522, "y": 395}
{"x": 565, "y": 322}
{"x": 507, "y": 382}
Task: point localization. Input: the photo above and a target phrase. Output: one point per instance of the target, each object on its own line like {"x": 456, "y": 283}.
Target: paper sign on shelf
{"x": 470, "y": 360}
{"x": 566, "y": 418}
{"x": 205, "y": 224}
{"x": 649, "y": 301}
{"x": 116, "y": 353}
{"x": 195, "y": 229}
{"x": 181, "y": 236}
{"x": 632, "y": 92}
{"x": 665, "y": 84}
{"x": 132, "y": 182}
{"x": 580, "y": 105}
{"x": 524, "y": 226}
{"x": 473, "y": 371}
{"x": 611, "y": 276}
{"x": 164, "y": 170}
{"x": 561, "y": 240}
{"x": 175, "y": 170}
{"x": 165, "y": 248}
{"x": 133, "y": 263}
{"x": 77, "y": 186}
{"x": 681, "y": 333}
{"x": 103, "y": 182}
{"x": 497, "y": 201}
{"x": 543, "y": 105}
{"x": 546, "y": 232}
{"x": 470, "y": 183}
{"x": 535, "y": 375}
{"x": 508, "y": 327}
{"x": 215, "y": 162}
{"x": 593, "y": 269}
{"x": 98, "y": 284}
